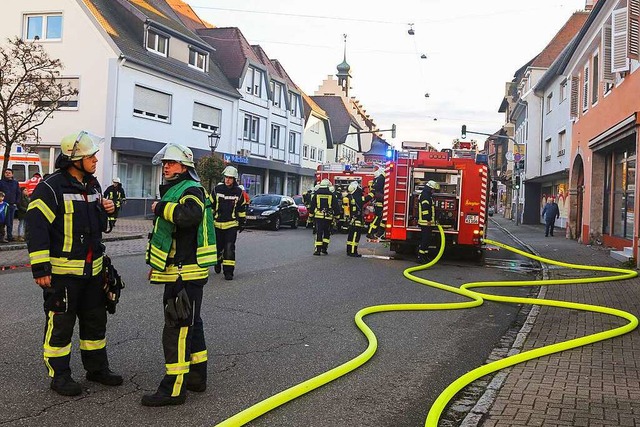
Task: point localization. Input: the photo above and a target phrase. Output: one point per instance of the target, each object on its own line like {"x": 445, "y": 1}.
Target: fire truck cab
{"x": 460, "y": 204}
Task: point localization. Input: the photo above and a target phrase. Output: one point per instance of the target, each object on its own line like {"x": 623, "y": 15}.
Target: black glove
{"x": 177, "y": 311}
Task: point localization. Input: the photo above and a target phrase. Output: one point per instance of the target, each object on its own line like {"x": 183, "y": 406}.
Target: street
{"x": 286, "y": 317}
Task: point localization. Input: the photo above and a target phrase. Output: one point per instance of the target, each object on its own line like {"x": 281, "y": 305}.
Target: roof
{"x": 232, "y": 51}
{"x": 124, "y": 21}
{"x": 187, "y": 15}
{"x": 339, "y": 116}
{"x": 562, "y": 38}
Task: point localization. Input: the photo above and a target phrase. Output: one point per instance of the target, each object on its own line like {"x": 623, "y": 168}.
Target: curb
{"x": 18, "y": 246}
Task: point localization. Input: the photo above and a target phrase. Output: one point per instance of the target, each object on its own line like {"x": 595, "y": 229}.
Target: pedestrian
{"x": 550, "y": 212}
{"x": 356, "y": 202}
{"x": 116, "y": 193}
{"x": 66, "y": 218}
{"x": 181, "y": 249}
{"x": 245, "y": 195}
{"x": 11, "y": 189}
{"x": 21, "y": 214}
{"x": 33, "y": 182}
{"x": 376, "y": 188}
{"x": 324, "y": 207}
{"x": 426, "y": 219}
{"x": 230, "y": 216}
{"x": 3, "y": 218}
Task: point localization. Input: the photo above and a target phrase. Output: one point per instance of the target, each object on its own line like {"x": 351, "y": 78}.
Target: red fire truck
{"x": 460, "y": 204}
{"x": 341, "y": 175}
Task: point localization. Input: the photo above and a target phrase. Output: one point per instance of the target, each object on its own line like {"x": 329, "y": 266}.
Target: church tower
{"x": 344, "y": 76}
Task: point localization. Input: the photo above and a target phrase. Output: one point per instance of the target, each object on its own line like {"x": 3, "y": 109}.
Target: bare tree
{"x": 30, "y": 91}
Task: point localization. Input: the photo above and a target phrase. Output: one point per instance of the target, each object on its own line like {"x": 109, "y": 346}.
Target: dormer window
{"x": 197, "y": 59}
{"x": 253, "y": 82}
{"x": 157, "y": 43}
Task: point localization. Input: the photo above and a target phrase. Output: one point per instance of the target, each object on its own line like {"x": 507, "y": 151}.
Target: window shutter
{"x": 574, "y": 97}
{"x": 607, "y": 75}
{"x": 585, "y": 89}
{"x": 634, "y": 30}
{"x": 620, "y": 61}
{"x": 206, "y": 115}
{"x": 152, "y": 101}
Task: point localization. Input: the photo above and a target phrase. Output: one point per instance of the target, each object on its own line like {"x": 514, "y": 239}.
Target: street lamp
{"x": 214, "y": 139}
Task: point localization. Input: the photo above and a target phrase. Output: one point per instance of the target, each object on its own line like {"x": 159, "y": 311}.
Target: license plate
{"x": 471, "y": 219}
{"x": 252, "y": 217}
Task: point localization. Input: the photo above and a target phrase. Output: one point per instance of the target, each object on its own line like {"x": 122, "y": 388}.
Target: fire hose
{"x": 475, "y": 299}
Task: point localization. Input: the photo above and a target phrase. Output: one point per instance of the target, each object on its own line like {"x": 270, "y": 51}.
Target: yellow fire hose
{"x": 476, "y": 299}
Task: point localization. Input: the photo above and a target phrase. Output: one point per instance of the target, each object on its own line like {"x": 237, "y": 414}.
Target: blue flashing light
{"x": 482, "y": 159}
{"x": 389, "y": 153}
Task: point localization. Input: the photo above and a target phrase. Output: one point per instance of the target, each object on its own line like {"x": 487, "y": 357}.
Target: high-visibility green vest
{"x": 161, "y": 239}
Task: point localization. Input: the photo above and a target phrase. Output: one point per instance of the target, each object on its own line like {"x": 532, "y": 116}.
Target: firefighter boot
{"x": 196, "y": 379}
{"x": 105, "y": 377}
{"x": 159, "y": 399}
{"x": 217, "y": 268}
{"x": 65, "y": 385}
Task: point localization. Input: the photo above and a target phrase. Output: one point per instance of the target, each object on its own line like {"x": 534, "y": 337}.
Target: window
{"x": 313, "y": 153}
{"x": 151, "y": 104}
{"x": 275, "y": 136}
{"x": 320, "y": 155}
{"x": 563, "y": 91}
{"x": 157, "y": 43}
{"x": 197, "y": 59}
{"x": 585, "y": 89}
{"x": 205, "y": 117}
{"x": 549, "y": 102}
{"x": 276, "y": 90}
{"x": 254, "y": 81}
{"x": 251, "y": 127}
{"x": 138, "y": 176}
{"x": 294, "y": 100}
{"x": 547, "y": 149}
{"x": 562, "y": 135}
{"x": 43, "y": 27}
{"x": 595, "y": 79}
{"x": 67, "y": 103}
{"x": 305, "y": 151}
{"x": 293, "y": 143}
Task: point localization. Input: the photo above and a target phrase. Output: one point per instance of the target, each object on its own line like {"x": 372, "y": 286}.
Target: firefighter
{"x": 376, "y": 189}
{"x": 426, "y": 219}
{"x": 66, "y": 218}
{"x": 324, "y": 206}
{"x": 231, "y": 215}
{"x": 179, "y": 252}
{"x": 115, "y": 192}
{"x": 356, "y": 203}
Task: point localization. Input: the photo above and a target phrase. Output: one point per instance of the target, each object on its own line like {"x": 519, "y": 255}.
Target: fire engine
{"x": 460, "y": 204}
{"x": 23, "y": 163}
{"x": 341, "y": 175}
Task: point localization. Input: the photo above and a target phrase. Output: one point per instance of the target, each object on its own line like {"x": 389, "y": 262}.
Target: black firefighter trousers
{"x": 226, "y": 247}
{"x": 67, "y": 298}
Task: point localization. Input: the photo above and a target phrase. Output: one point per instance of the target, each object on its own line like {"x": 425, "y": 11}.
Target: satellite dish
{"x": 509, "y": 156}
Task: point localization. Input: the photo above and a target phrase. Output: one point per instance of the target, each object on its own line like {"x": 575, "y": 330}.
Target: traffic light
{"x": 464, "y": 131}
{"x": 393, "y": 130}
{"x": 517, "y": 186}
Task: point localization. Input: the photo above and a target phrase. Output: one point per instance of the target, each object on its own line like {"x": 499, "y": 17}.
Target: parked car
{"x": 272, "y": 210}
{"x": 491, "y": 210}
{"x": 303, "y": 212}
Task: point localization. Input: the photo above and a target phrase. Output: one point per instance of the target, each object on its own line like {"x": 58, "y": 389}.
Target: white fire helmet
{"x": 177, "y": 153}
{"x": 230, "y": 172}
{"x": 378, "y": 172}
{"x": 325, "y": 183}
{"x": 433, "y": 184}
{"x": 353, "y": 186}
{"x": 78, "y": 145}
{"x": 116, "y": 180}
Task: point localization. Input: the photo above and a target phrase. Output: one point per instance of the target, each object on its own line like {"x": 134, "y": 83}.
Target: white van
{"x": 24, "y": 164}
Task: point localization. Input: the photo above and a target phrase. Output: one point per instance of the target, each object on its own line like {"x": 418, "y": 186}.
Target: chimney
{"x": 589, "y": 4}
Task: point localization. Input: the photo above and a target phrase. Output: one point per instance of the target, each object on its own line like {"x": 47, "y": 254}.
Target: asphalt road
{"x": 287, "y": 317}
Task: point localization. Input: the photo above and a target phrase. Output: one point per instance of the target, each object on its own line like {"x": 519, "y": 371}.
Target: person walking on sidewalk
{"x": 4, "y": 207}
{"x": 66, "y": 218}
{"x": 11, "y": 189}
{"x": 181, "y": 247}
{"x": 550, "y": 212}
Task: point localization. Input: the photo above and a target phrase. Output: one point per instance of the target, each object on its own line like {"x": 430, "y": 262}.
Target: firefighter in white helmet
{"x": 376, "y": 190}
{"x": 66, "y": 218}
{"x": 356, "y": 222}
{"x": 181, "y": 249}
{"x": 116, "y": 193}
{"x": 324, "y": 207}
{"x": 426, "y": 219}
{"x": 231, "y": 215}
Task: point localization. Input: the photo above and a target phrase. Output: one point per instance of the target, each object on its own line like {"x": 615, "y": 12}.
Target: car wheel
{"x": 294, "y": 224}
{"x": 276, "y": 223}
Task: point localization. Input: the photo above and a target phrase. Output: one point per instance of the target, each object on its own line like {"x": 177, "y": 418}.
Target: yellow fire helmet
{"x": 78, "y": 145}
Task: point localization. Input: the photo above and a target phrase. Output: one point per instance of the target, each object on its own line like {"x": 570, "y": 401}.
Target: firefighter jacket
{"x": 66, "y": 220}
{"x": 229, "y": 206}
{"x": 426, "y": 209}
{"x": 306, "y": 198}
{"x": 356, "y": 207}
{"x": 174, "y": 244}
{"x": 376, "y": 189}
{"x": 115, "y": 194}
{"x": 324, "y": 204}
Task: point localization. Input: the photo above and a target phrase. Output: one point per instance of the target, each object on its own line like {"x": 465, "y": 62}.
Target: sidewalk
{"x": 595, "y": 385}
{"x": 14, "y": 254}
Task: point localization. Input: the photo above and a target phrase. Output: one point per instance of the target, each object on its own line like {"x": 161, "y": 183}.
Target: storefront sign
{"x": 232, "y": 158}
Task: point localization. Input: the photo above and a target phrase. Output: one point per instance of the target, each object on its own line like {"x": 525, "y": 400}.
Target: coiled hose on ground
{"x": 475, "y": 299}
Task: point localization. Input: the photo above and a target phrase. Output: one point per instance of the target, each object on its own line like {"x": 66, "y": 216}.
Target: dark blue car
{"x": 272, "y": 210}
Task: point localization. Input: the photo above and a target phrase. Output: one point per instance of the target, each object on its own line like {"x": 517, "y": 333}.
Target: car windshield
{"x": 266, "y": 200}
{"x": 298, "y": 200}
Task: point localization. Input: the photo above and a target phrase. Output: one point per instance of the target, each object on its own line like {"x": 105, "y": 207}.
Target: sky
{"x": 472, "y": 49}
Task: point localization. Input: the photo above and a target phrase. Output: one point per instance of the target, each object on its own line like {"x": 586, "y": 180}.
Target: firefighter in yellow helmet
{"x": 66, "y": 218}
{"x": 181, "y": 249}
{"x": 324, "y": 207}
{"x": 376, "y": 190}
{"x": 231, "y": 215}
{"x": 426, "y": 219}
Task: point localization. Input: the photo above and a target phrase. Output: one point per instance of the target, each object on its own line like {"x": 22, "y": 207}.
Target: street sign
{"x": 509, "y": 156}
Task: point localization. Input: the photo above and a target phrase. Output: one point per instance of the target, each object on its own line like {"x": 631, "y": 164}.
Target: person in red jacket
{"x": 33, "y": 183}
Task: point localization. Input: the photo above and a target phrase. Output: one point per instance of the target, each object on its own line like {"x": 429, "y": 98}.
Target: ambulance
{"x": 460, "y": 204}
{"x": 23, "y": 163}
